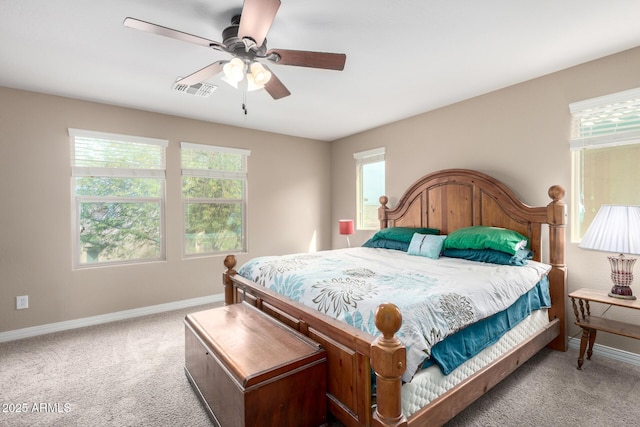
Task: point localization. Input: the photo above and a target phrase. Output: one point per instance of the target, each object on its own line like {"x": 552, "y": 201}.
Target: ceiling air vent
{"x": 199, "y": 89}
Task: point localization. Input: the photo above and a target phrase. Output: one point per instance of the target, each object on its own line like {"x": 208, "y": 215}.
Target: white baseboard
{"x": 574, "y": 343}
{"x": 105, "y": 318}
{"x": 609, "y": 352}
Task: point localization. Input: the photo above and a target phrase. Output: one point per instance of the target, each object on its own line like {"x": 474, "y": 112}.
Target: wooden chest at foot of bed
{"x": 250, "y": 370}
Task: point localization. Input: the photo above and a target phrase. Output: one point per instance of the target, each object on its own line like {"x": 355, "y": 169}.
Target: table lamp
{"x": 346, "y": 228}
{"x": 616, "y": 228}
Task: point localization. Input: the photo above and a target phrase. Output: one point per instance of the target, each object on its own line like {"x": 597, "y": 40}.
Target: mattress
{"x": 430, "y": 383}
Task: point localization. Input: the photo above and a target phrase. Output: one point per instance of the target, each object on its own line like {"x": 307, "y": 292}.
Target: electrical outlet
{"x": 22, "y": 302}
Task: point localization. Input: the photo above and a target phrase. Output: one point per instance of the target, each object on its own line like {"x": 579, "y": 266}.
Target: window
{"x": 118, "y": 198}
{"x": 214, "y": 181}
{"x": 370, "y": 186}
{"x": 605, "y": 148}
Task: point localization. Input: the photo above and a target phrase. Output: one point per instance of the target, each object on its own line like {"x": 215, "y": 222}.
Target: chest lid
{"x": 251, "y": 345}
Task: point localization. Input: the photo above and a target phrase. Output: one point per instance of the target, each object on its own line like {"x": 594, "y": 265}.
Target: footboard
{"x": 348, "y": 349}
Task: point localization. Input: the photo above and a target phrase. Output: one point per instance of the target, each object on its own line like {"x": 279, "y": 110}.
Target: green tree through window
{"x": 118, "y": 184}
{"x": 213, "y": 194}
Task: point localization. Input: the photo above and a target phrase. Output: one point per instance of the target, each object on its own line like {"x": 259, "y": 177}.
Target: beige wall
{"x": 35, "y": 206}
{"x": 519, "y": 135}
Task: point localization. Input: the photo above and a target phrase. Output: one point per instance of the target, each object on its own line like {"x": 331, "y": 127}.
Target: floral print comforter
{"x": 436, "y": 297}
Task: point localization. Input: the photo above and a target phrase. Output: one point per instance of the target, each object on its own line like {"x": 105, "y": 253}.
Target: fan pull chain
{"x": 244, "y": 100}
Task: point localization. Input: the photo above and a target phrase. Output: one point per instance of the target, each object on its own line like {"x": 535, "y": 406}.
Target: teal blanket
{"x": 463, "y": 345}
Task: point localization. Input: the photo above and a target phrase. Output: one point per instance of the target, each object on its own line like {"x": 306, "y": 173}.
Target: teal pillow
{"x": 483, "y": 237}
{"x": 386, "y": 244}
{"x": 402, "y": 234}
{"x": 428, "y": 245}
{"x": 490, "y": 256}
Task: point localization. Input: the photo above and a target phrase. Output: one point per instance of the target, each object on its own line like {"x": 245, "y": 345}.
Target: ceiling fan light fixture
{"x": 252, "y": 84}
{"x": 234, "y": 70}
{"x": 260, "y": 75}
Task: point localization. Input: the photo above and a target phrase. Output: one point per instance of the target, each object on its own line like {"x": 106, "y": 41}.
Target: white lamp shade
{"x": 234, "y": 70}
{"x": 615, "y": 228}
{"x": 260, "y": 75}
{"x": 251, "y": 83}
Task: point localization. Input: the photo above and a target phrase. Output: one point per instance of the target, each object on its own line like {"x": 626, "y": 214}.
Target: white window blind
{"x": 105, "y": 154}
{"x": 214, "y": 162}
{"x": 606, "y": 121}
{"x": 370, "y": 156}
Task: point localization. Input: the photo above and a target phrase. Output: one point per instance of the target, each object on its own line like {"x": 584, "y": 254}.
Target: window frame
{"x": 158, "y": 173}
{"x": 215, "y": 174}
{"x": 364, "y": 158}
{"x": 604, "y": 122}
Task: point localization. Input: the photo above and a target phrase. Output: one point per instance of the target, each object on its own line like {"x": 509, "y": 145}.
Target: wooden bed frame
{"x": 447, "y": 200}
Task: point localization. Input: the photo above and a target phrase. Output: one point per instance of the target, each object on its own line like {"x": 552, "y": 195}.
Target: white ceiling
{"x": 404, "y": 57}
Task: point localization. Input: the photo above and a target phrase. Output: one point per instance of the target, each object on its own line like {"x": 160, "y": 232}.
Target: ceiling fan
{"x": 245, "y": 40}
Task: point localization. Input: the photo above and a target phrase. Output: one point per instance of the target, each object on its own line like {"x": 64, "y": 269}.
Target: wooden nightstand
{"x": 591, "y": 324}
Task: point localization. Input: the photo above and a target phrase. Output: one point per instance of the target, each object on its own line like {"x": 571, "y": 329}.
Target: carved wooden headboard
{"x": 456, "y": 198}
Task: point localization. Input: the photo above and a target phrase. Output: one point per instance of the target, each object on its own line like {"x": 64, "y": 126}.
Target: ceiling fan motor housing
{"x": 236, "y": 46}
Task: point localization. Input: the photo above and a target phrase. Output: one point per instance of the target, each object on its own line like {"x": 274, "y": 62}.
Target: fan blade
{"x": 303, "y": 58}
{"x": 203, "y": 74}
{"x": 168, "y": 32}
{"x": 256, "y": 19}
{"x": 274, "y": 86}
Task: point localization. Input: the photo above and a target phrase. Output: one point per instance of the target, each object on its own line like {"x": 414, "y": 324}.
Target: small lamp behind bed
{"x": 616, "y": 229}
{"x": 346, "y": 229}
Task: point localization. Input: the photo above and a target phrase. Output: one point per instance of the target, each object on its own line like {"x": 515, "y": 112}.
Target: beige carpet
{"x": 130, "y": 373}
{"x": 126, "y": 373}
{"x": 548, "y": 390}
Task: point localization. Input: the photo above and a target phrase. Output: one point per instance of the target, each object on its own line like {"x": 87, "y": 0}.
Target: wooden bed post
{"x": 388, "y": 360}
{"x": 229, "y": 262}
{"x": 556, "y": 217}
{"x": 382, "y": 211}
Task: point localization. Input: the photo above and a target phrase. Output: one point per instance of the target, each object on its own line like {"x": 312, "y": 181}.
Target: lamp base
{"x": 622, "y": 292}
{"x": 621, "y": 276}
